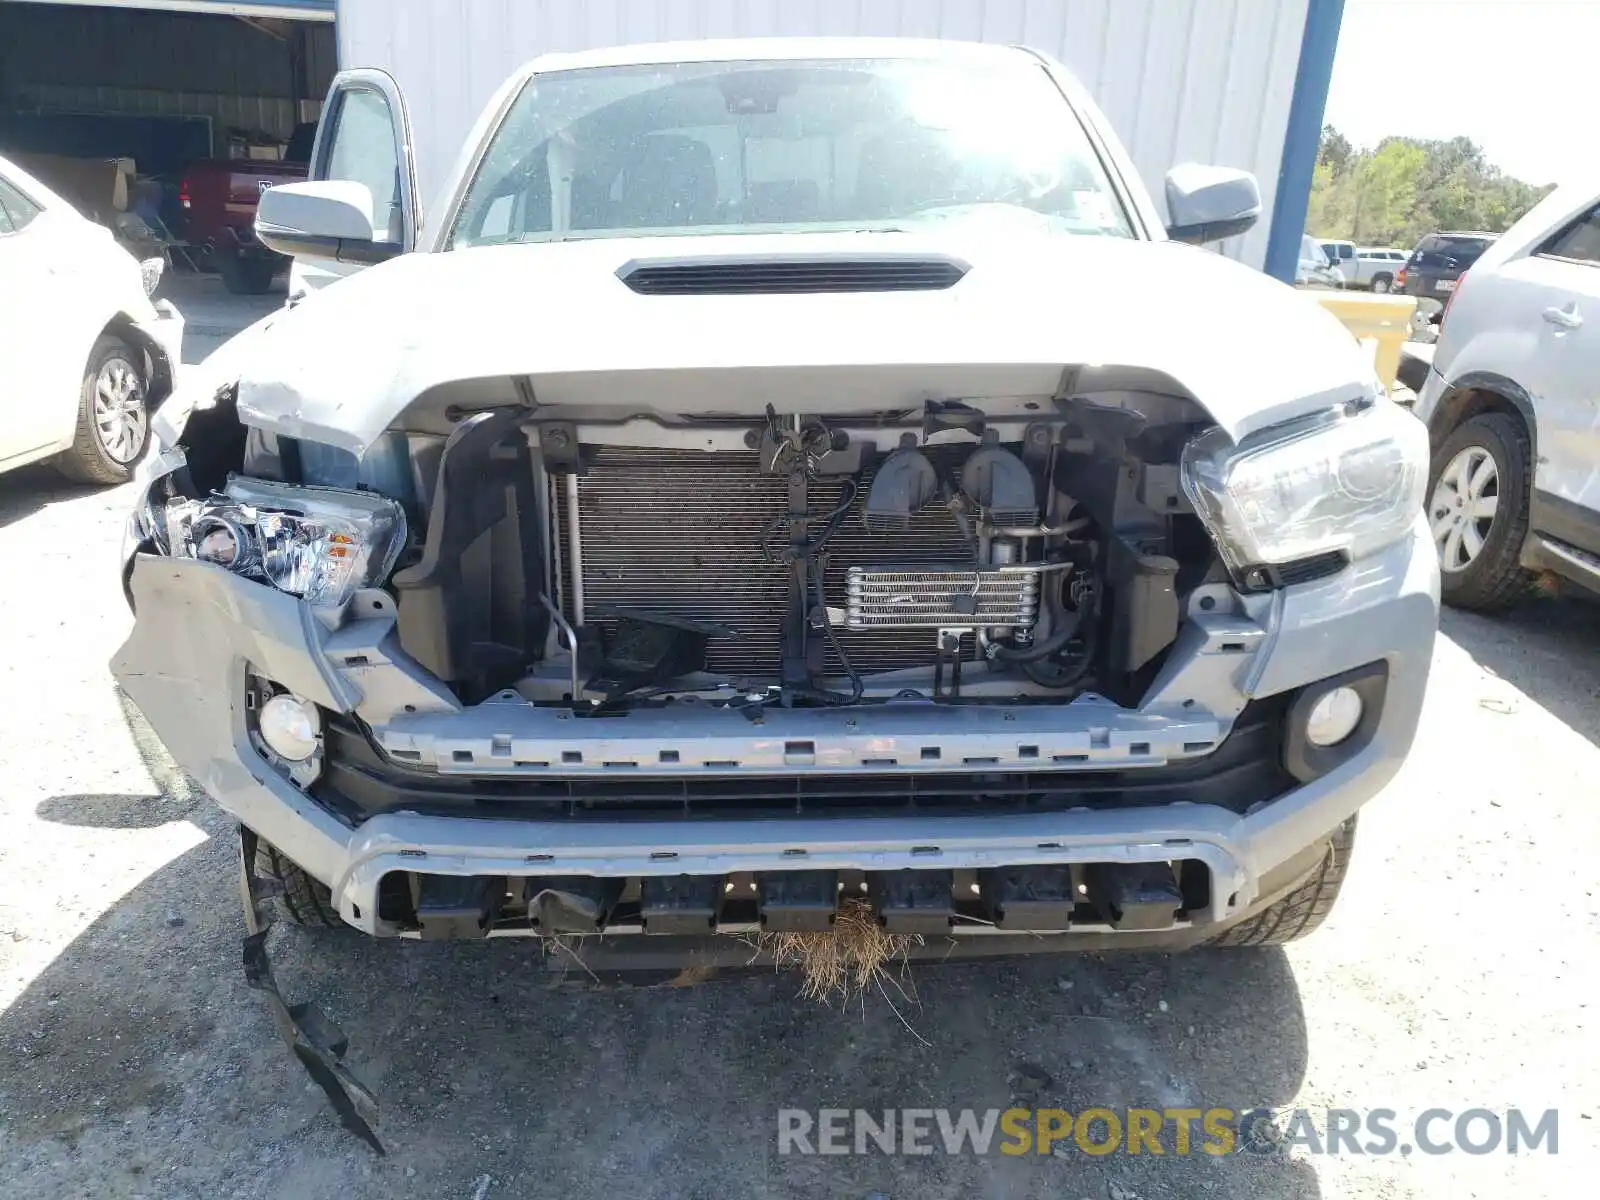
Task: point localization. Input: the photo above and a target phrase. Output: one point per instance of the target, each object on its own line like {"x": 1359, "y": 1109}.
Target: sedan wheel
{"x": 113, "y": 415}
{"x": 1463, "y": 507}
{"x": 120, "y": 419}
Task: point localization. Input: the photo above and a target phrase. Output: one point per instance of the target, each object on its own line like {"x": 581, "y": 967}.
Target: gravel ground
{"x": 134, "y": 1062}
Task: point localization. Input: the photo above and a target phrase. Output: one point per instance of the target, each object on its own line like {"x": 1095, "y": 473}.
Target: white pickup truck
{"x": 675, "y": 536}
{"x": 1370, "y": 268}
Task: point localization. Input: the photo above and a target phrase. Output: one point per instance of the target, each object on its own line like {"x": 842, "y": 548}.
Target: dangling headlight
{"x": 316, "y": 542}
{"x": 1348, "y": 481}
{"x": 152, "y": 485}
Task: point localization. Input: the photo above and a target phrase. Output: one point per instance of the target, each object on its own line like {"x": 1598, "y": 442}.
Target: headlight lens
{"x": 315, "y": 542}
{"x": 1348, "y": 481}
{"x": 150, "y": 274}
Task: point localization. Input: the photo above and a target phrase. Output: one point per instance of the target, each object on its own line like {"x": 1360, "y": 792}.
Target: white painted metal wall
{"x": 1180, "y": 80}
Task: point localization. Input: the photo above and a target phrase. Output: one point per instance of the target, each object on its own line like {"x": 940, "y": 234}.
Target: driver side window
{"x": 362, "y": 150}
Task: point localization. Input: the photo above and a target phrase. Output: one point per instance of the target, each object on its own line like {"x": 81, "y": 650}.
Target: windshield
{"x": 761, "y": 147}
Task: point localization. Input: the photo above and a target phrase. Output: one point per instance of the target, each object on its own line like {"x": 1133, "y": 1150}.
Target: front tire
{"x": 1305, "y": 908}
{"x": 113, "y": 416}
{"x": 1382, "y": 284}
{"x": 301, "y": 899}
{"x": 1478, "y": 511}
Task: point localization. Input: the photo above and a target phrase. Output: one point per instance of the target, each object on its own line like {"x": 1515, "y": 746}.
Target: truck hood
{"x": 554, "y": 322}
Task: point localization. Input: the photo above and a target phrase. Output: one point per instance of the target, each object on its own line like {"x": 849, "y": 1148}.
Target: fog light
{"x": 1334, "y": 716}
{"x": 290, "y": 727}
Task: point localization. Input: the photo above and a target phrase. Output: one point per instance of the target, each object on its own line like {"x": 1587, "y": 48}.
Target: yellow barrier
{"x": 1382, "y": 323}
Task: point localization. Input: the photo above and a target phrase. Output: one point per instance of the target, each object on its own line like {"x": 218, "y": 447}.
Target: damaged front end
{"x": 1018, "y": 669}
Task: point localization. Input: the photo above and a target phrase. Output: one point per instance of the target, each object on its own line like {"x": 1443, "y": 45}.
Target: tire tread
{"x": 1497, "y": 581}
{"x": 302, "y": 900}
{"x": 1303, "y": 909}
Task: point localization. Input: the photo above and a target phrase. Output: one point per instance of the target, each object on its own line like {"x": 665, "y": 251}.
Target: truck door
{"x": 364, "y": 137}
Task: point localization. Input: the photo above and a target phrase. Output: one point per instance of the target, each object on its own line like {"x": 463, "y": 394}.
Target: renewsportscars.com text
{"x": 1175, "y": 1131}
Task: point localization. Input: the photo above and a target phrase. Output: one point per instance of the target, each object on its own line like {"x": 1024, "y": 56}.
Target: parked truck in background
{"x": 217, "y": 211}
{"x": 1374, "y": 268}
{"x": 1369, "y": 268}
{"x": 1343, "y": 256}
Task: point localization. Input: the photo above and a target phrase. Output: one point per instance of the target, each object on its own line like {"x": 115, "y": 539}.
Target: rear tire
{"x": 302, "y": 900}
{"x": 113, "y": 416}
{"x": 1382, "y": 284}
{"x": 1494, "y": 579}
{"x": 246, "y": 276}
{"x": 1303, "y": 909}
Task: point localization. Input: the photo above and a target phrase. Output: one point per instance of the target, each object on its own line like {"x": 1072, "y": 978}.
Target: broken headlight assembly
{"x": 318, "y": 543}
{"x": 1348, "y": 482}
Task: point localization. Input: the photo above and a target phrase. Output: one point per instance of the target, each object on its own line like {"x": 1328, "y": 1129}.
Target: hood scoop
{"x": 790, "y": 275}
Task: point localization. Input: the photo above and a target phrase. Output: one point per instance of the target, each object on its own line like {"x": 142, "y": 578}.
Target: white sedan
{"x": 85, "y": 356}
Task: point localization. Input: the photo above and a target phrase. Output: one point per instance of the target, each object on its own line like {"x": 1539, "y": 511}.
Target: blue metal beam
{"x": 1303, "y": 135}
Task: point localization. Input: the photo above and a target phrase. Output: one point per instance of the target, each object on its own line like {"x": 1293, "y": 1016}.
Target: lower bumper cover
{"x": 199, "y": 626}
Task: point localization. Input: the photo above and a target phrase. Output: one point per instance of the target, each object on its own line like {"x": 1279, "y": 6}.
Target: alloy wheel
{"x": 120, "y": 419}
{"x": 1463, "y": 507}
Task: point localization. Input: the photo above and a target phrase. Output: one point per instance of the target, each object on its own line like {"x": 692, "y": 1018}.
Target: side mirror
{"x": 1207, "y": 204}
{"x": 326, "y": 218}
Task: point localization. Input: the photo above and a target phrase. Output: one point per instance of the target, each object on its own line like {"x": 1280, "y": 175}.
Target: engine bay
{"x": 804, "y": 560}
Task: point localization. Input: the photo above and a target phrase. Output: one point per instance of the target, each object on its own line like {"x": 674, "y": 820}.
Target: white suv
{"x": 1511, "y": 407}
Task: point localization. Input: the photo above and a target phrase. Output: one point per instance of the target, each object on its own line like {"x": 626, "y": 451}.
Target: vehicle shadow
{"x": 26, "y": 490}
{"x": 115, "y": 811}
{"x": 138, "y": 1062}
{"x": 1547, "y": 648}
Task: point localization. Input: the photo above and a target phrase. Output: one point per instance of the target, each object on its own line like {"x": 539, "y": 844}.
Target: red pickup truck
{"x": 218, "y": 203}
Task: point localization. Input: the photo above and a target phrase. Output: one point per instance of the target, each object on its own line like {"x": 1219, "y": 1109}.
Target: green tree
{"x": 1405, "y": 188}
{"x": 1384, "y": 184}
{"x": 1335, "y": 149}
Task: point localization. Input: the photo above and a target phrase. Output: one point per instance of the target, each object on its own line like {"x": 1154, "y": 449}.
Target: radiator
{"x": 680, "y": 531}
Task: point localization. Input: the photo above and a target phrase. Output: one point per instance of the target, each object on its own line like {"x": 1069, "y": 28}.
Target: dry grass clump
{"x": 858, "y": 955}
{"x": 849, "y": 960}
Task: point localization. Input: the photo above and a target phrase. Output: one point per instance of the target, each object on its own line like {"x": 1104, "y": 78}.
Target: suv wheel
{"x": 1382, "y": 284}
{"x": 1478, "y": 511}
{"x": 113, "y": 418}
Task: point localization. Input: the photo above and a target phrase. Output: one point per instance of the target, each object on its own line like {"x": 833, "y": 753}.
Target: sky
{"x": 1519, "y": 77}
